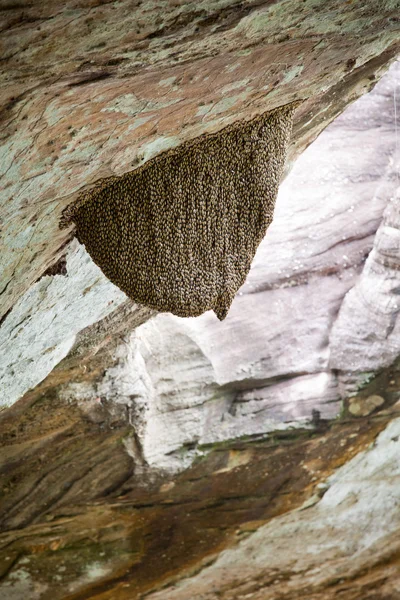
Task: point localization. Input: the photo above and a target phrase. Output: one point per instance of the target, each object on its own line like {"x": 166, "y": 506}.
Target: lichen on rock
{"x": 179, "y": 233}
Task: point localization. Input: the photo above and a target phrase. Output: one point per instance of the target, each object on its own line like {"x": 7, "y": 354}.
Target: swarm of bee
{"x": 179, "y": 233}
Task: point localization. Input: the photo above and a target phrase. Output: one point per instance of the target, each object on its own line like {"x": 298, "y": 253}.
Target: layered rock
{"x": 82, "y": 516}
{"x": 188, "y": 383}
{"x": 365, "y": 337}
{"x": 343, "y": 545}
{"x": 94, "y": 89}
{"x": 100, "y": 494}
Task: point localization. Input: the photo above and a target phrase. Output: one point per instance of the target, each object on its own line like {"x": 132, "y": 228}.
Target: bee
{"x": 179, "y": 233}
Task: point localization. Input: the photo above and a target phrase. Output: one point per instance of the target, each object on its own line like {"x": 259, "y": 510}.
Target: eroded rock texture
{"x": 101, "y": 495}
{"x": 192, "y": 382}
{"x": 366, "y": 334}
{"x": 273, "y": 363}
{"x": 151, "y": 456}
{"x": 92, "y": 89}
{"x": 83, "y": 517}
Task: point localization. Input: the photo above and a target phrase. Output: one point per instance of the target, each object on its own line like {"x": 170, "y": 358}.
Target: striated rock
{"x": 301, "y": 515}
{"x": 366, "y": 335}
{"x": 267, "y": 367}
{"x": 42, "y": 328}
{"x": 92, "y": 89}
{"x": 310, "y": 258}
{"x": 344, "y": 545}
{"x": 182, "y": 458}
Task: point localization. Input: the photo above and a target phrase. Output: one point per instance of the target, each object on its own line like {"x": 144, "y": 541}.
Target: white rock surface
{"x": 41, "y": 328}
{"x": 267, "y": 366}
{"x": 185, "y": 407}
{"x": 366, "y": 334}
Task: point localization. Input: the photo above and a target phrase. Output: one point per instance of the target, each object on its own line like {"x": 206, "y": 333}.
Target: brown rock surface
{"x": 267, "y": 367}
{"x": 83, "y": 517}
{"x": 91, "y": 89}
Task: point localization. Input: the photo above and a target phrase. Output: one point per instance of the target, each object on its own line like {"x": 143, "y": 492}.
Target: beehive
{"x": 179, "y": 233}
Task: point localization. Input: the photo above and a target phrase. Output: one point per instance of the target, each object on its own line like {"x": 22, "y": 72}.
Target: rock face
{"x": 270, "y": 366}
{"x": 42, "y": 327}
{"x": 81, "y": 515}
{"x": 180, "y": 233}
{"x": 275, "y": 359}
{"x": 348, "y": 532}
{"x": 93, "y": 89}
{"x": 123, "y": 83}
{"x": 147, "y": 456}
{"x": 369, "y": 316}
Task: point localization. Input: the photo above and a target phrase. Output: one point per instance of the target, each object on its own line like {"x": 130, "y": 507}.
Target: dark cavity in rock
{"x": 179, "y": 233}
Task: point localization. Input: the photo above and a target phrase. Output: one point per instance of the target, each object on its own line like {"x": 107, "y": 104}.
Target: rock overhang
{"x": 94, "y": 90}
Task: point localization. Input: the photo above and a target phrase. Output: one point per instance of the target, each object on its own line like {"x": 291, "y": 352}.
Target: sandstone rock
{"x": 195, "y": 382}
{"x": 321, "y": 551}
{"x": 310, "y": 258}
{"x": 93, "y": 89}
{"x": 43, "y": 325}
{"x": 361, "y": 407}
{"x": 299, "y": 508}
{"x": 87, "y": 517}
{"x": 365, "y": 336}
